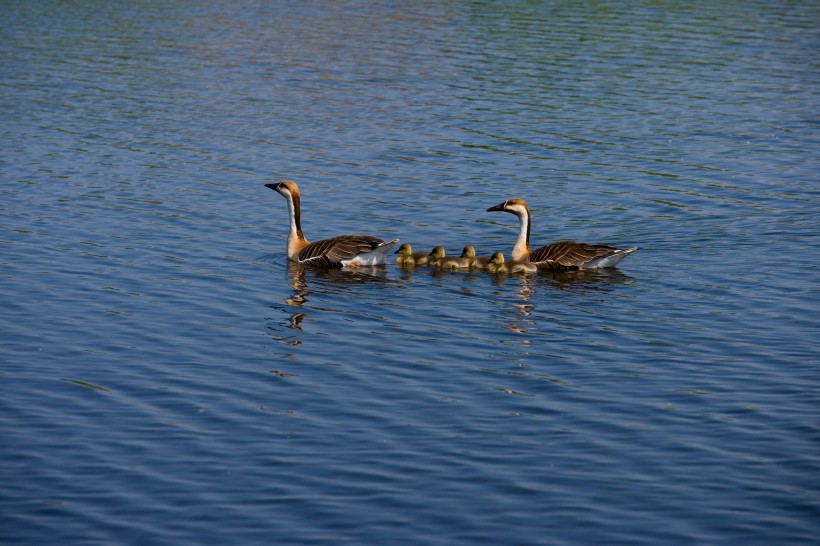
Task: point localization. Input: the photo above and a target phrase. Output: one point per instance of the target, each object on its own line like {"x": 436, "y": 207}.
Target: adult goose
{"x": 340, "y": 251}
{"x": 561, "y": 255}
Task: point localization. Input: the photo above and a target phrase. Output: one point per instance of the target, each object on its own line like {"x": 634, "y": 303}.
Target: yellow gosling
{"x": 436, "y": 255}
{"x": 409, "y": 258}
{"x": 521, "y": 267}
{"x": 496, "y": 263}
{"x": 476, "y": 262}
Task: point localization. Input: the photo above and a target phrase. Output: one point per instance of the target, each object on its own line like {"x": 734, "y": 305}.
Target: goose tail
{"x": 610, "y": 259}
{"x": 377, "y": 256}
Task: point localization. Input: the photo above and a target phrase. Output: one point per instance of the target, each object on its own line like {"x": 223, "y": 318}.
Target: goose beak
{"x": 497, "y": 207}
{"x": 274, "y": 187}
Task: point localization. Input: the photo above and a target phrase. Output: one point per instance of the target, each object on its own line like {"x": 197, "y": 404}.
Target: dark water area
{"x": 168, "y": 378}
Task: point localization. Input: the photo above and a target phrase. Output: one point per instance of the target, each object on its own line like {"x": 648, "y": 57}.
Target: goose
{"x": 339, "y": 251}
{"x": 409, "y": 258}
{"x": 436, "y": 255}
{"x": 476, "y": 262}
{"x": 562, "y": 255}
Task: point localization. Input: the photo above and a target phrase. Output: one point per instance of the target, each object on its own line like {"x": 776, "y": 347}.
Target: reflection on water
{"x": 298, "y": 275}
{"x": 586, "y": 279}
{"x": 327, "y": 285}
{"x": 296, "y": 320}
{"x": 326, "y": 280}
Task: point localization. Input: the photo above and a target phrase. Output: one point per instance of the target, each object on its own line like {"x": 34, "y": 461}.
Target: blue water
{"x": 167, "y": 377}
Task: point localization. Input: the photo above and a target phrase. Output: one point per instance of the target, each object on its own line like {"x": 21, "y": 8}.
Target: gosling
{"x": 408, "y": 258}
{"x": 479, "y": 262}
{"x": 452, "y": 263}
{"x": 436, "y": 255}
{"x": 498, "y": 265}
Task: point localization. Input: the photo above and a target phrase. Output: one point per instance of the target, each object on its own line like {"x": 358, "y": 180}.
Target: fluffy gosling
{"x": 409, "y": 258}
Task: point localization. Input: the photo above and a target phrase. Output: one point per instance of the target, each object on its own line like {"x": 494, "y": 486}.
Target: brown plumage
{"x": 340, "y": 251}
{"x": 562, "y": 255}
{"x": 335, "y": 251}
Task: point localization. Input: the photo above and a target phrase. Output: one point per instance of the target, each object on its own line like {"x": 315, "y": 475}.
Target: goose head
{"x": 405, "y": 250}
{"x": 515, "y": 206}
{"x": 286, "y": 188}
{"x": 468, "y": 252}
{"x": 437, "y": 253}
{"x": 497, "y": 258}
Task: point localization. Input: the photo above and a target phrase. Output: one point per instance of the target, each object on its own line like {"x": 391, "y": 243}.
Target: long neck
{"x": 521, "y": 250}
{"x": 296, "y": 239}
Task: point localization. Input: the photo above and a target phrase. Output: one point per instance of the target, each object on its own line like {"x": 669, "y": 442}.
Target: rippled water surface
{"x": 167, "y": 377}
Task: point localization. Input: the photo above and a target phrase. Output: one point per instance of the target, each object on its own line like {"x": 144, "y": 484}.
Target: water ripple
{"x": 170, "y": 378}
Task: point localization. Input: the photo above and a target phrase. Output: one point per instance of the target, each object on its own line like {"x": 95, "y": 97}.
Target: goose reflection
{"x": 301, "y": 277}
{"x": 581, "y": 280}
{"x": 306, "y": 281}
{"x": 586, "y": 280}
{"x": 298, "y": 282}
{"x": 519, "y": 317}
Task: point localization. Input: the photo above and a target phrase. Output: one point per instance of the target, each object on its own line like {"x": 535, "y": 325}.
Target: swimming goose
{"x": 476, "y": 262}
{"x": 435, "y": 256}
{"x": 340, "y": 251}
{"x": 408, "y": 257}
{"x": 561, "y": 255}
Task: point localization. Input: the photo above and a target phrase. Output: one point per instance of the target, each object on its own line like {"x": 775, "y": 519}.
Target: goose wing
{"x": 568, "y": 254}
{"x": 331, "y": 252}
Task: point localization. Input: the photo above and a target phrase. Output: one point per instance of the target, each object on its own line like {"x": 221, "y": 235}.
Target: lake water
{"x": 167, "y": 377}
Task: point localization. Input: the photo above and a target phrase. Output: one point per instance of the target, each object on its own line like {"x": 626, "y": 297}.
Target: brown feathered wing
{"x": 331, "y": 252}
{"x": 568, "y": 254}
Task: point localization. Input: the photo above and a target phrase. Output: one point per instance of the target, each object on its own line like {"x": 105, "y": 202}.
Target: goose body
{"x": 449, "y": 262}
{"x": 475, "y": 262}
{"x": 496, "y": 264}
{"x": 462, "y": 262}
{"x": 339, "y": 251}
{"x": 409, "y": 258}
{"x": 562, "y": 255}
{"x": 521, "y": 267}
{"x": 436, "y": 256}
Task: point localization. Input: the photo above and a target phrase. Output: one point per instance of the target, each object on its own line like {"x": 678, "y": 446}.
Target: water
{"x": 167, "y": 378}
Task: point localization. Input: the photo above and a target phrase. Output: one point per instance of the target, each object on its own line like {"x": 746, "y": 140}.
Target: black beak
{"x": 274, "y": 187}
{"x": 497, "y": 207}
